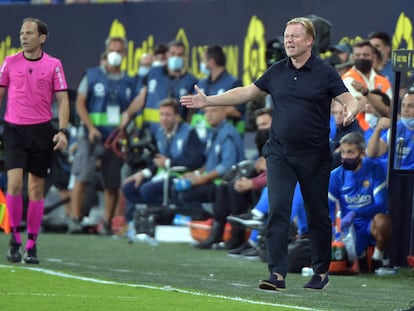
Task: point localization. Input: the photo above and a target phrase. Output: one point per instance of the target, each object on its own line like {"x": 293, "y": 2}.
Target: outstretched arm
{"x": 232, "y": 97}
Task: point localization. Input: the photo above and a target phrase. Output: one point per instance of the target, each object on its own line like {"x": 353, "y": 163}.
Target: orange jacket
{"x": 380, "y": 82}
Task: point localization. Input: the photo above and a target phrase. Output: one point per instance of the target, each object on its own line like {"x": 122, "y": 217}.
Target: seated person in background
{"x": 178, "y": 145}
{"x": 224, "y": 149}
{"x": 378, "y": 144}
{"x": 372, "y": 115}
{"x": 359, "y": 186}
{"x": 237, "y": 196}
{"x": 256, "y": 218}
{"x": 341, "y": 130}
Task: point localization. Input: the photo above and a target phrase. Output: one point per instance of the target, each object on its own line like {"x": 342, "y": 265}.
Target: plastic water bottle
{"x": 307, "y": 271}
{"x": 181, "y": 220}
{"x": 385, "y": 271}
{"x": 349, "y": 241}
{"x": 182, "y": 184}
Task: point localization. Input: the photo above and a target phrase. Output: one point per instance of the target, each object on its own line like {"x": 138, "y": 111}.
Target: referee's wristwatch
{"x": 65, "y": 131}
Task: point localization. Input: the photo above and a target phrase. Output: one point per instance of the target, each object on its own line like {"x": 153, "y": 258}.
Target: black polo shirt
{"x": 301, "y": 103}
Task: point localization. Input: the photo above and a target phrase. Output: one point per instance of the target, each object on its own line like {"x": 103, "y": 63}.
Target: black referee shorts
{"x": 29, "y": 147}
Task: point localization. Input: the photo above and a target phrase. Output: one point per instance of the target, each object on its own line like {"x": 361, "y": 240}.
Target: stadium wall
{"x": 78, "y": 31}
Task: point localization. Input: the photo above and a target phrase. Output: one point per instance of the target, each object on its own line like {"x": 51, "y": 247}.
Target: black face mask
{"x": 363, "y": 65}
{"x": 261, "y": 138}
{"x": 351, "y": 164}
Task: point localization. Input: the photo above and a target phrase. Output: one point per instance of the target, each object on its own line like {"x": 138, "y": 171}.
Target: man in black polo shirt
{"x": 302, "y": 87}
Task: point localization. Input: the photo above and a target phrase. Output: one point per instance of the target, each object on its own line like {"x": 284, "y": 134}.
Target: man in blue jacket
{"x": 224, "y": 149}
{"x": 178, "y": 145}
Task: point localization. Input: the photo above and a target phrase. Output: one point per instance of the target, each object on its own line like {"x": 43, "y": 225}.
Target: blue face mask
{"x": 175, "y": 63}
{"x": 204, "y": 70}
{"x": 371, "y": 119}
{"x": 143, "y": 71}
{"x": 408, "y": 122}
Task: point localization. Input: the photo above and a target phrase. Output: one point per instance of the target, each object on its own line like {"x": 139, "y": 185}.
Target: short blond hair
{"x": 306, "y": 23}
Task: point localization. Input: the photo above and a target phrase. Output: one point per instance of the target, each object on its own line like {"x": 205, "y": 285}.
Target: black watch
{"x": 65, "y": 131}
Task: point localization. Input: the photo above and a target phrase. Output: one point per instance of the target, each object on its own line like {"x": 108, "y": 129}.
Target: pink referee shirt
{"x": 31, "y": 85}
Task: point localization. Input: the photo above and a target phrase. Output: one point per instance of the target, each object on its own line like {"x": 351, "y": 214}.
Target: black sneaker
{"x": 238, "y": 251}
{"x": 251, "y": 253}
{"x": 248, "y": 219}
{"x": 376, "y": 264}
{"x": 273, "y": 284}
{"x": 30, "y": 256}
{"x": 13, "y": 254}
{"x": 317, "y": 283}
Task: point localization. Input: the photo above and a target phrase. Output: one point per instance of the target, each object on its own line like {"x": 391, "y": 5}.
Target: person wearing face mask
{"x": 362, "y": 78}
{"x": 378, "y": 144}
{"x": 103, "y": 96}
{"x": 340, "y": 131}
{"x": 217, "y": 80}
{"x": 372, "y": 115}
{"x": 160, "y": 55}
{"x": 359, "y": 187}
{"x": 169, "y": 81}
{"x": 382, "y": 41}
{"x": 145, "y": 64}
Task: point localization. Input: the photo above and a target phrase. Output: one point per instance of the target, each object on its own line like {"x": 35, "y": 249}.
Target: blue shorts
{"x": 363, "y": 237}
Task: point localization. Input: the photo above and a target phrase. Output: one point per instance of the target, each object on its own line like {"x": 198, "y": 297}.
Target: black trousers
{"x": 312, "y": 170}
{"x": 230, "y": 202}
{"x": 189, "y": 202}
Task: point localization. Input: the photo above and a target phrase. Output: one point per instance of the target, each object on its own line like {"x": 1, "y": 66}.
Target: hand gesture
{"x": 348, "y": 117}
{"x": 383, "y": 123}
{"x": 195, "y": 101}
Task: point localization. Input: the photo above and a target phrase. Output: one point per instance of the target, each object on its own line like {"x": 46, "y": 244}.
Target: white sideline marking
{"x": 165, "y": 288}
